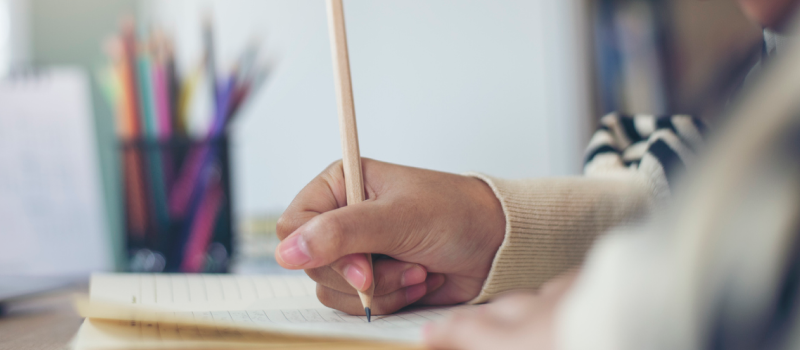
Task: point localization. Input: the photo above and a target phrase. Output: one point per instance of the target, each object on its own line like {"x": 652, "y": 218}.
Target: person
{"x": 448, "y": 239}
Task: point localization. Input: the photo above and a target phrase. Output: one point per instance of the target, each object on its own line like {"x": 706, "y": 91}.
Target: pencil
{"x": 152, "y": 131}
{"x": 210, "y": 58}
{"x": 173, "y": 88}
{"x": 161, "y": 88}
{"x": 186, "y": 94}
{"x": 201, "y": 228}
{"x": 116, "y": 88}
{"x": 133, "y": 159}
{"x": 130, "y": 75}
{"x": 353, "y": 179}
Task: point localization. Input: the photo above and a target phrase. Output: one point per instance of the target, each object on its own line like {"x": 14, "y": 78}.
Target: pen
{"x": 354, "y": 182}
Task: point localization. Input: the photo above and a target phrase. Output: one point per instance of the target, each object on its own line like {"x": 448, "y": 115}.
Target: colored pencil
{"x": 129, "y": 98}
{"x": 202, "y": 228}
{"x": 151, "y": 101}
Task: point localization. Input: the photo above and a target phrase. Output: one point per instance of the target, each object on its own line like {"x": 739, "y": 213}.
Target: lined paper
{"x": 203, "y": 292}
{"x": 153, "y": 309}
{"x": 316, "y": 323}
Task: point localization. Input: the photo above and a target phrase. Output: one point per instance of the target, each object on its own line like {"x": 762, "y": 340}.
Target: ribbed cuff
{"x": 551, "y": 223}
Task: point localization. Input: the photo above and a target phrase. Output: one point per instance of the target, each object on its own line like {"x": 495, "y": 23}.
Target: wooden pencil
{"x": 354, "y": 181}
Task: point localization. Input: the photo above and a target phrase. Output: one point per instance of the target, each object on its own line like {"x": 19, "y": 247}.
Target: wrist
{"x": 487, "y": 220}
{"x": 490, "y": 213}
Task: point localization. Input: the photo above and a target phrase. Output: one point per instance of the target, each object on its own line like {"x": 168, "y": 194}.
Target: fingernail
{"x": 412, "y": 276}
{"x": 415, "y": 292}
{"x": 355, "y": 277}
{"x": 294, "y": 251}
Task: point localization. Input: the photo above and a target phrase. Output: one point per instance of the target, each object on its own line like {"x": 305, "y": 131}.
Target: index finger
{"x": 324, "y": 193}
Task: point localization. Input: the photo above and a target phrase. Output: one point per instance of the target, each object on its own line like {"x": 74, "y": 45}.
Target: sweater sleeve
{"x": 551, "y": 223}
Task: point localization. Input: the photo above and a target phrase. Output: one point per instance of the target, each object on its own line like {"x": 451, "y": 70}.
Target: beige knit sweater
{"x": 551, "y": 223}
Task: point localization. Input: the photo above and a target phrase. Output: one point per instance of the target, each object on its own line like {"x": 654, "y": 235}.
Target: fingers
{"x": 345, "y": 275}
{"x": 389, "y": 274}
{"x": 324, "y": 193}
{"x": 356, "y": 270}
{"x": 383, "y": 304}
{"x": 334, "y": 234}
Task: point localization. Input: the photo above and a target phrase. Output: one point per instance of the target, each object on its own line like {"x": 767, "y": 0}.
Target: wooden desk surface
{"x": 46, "y": 322}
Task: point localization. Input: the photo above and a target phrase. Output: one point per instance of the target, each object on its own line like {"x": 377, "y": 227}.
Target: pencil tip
{"x": 369, "y": 314}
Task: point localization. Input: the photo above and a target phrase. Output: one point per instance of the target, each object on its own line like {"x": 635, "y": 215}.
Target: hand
{"x": 516, "y": 321}
{"x": 439, "y": 231}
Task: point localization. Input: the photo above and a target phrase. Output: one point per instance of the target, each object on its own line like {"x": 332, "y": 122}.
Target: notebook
{"x": 170, "y": 311}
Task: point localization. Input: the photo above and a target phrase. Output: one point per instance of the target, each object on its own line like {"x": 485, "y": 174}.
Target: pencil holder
{"x": 177, "y": 200}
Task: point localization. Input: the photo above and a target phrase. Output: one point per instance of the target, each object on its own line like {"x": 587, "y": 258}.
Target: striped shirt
{"x": 658, "y": 148}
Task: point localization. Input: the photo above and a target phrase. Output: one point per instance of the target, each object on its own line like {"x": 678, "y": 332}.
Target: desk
{"x": 46, "y": 322}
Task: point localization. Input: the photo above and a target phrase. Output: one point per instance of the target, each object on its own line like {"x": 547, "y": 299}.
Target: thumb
{"x": 359, "y": 228}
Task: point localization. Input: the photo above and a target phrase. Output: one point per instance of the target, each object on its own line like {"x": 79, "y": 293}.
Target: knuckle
{"x": 333, "y": 174}
{"x": 335, "y": 166}
{"x": 334, "y": 171}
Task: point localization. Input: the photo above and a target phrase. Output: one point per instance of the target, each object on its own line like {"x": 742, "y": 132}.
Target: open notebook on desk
{"x": 138, "y": 311}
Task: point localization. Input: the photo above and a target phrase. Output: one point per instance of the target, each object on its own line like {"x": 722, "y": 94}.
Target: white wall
{"x": 491, "y": 86}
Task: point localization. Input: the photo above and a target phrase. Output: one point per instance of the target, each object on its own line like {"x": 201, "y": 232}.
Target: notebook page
{"x": 318, "y": 323}
{"x": 206, "y": 292}
{"x": 111, "y": 335}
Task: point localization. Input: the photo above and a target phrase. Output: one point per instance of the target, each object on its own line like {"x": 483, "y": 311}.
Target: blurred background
{"x": 508, "y": 88}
